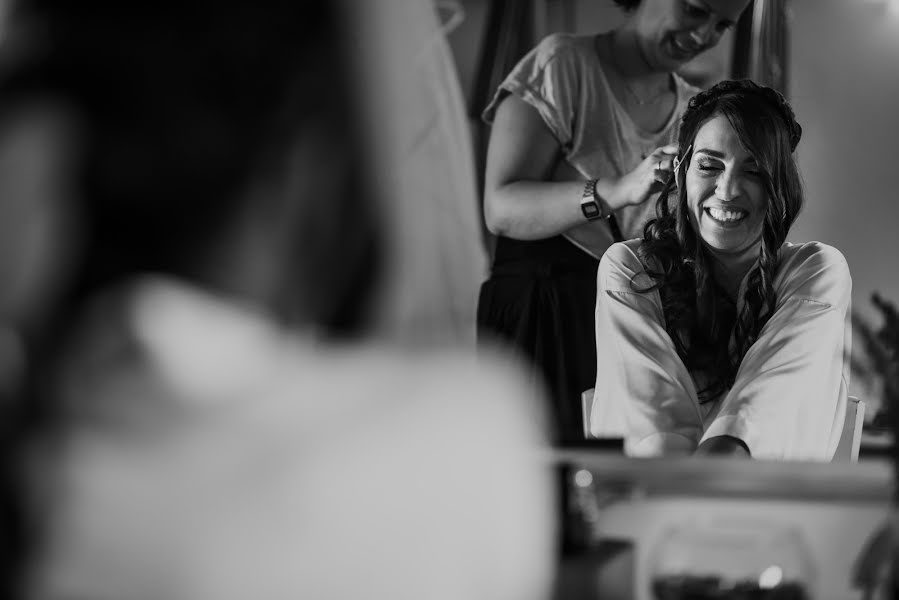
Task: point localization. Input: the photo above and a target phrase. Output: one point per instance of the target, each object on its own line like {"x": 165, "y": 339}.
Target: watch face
{"x": 590, "y": 209}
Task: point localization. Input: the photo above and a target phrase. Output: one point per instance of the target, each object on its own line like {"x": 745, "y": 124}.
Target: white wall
{"x": 844, "y": 87}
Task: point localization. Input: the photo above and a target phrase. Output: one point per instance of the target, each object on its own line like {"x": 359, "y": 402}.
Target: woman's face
{"x": 673, "y": 32}
{"x": 725, "y": 192}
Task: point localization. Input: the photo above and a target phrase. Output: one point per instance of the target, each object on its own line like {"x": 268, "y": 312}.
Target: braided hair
{"x": 708, "y": 334}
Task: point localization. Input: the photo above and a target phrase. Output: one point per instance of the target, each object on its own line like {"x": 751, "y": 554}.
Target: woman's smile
{"x": 725, "y": 192}
{"x": 726, "y": 217}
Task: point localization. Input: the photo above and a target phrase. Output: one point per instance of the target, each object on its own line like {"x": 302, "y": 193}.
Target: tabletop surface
{"x": 867, "y": 480}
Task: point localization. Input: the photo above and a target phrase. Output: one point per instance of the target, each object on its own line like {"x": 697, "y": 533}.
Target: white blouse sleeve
{"x": 643, "y": 391}
{"x": 789, "y": 397}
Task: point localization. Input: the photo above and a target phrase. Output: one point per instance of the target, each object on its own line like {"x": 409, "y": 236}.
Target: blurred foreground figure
{"x": 423, "y": 163}
{"x": 205, "y": 413}
{"x": 250, "y": 465}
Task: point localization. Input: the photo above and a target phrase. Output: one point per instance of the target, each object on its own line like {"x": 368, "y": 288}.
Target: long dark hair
{"x": 706, "y": 330}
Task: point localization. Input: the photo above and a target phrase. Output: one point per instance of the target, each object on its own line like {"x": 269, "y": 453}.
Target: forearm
{"x": 532, "y": 210}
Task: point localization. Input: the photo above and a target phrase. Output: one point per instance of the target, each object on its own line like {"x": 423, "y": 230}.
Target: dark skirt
{"x": 540, "y": 301}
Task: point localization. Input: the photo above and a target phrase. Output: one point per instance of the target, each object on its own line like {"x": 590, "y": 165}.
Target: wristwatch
{"x": 590, "y": 206}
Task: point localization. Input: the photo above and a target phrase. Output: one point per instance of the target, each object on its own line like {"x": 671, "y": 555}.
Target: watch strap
{"x": 590, "y": 206}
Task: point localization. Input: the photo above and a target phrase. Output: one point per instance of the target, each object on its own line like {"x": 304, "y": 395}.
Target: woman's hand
{"x": 723, "y": 445}
{"x": 648, "y": 178}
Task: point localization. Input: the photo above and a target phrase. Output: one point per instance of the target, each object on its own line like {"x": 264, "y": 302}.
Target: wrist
{"x": 613, "y": 191}
{"x": 592, "y": 206}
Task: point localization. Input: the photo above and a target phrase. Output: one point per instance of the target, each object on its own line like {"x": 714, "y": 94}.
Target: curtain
{"x": 761, "y": 44}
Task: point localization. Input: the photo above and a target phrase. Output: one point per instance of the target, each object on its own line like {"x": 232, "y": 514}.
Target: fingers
{"x": 663, "y": 161}
{"x": 663, "y": 167}
{"x": 653, "y": 173}
{"x": 670, "y": 149}
{"x": 664, "y": 152}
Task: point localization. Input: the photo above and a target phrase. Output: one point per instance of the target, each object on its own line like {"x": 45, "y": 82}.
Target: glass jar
{"x": 732, "y": 560}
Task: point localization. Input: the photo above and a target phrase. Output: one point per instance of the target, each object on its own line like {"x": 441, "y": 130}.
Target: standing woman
{"x": 581, "y": 138}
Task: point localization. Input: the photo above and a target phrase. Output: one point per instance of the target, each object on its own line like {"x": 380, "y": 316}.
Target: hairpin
{"x": 679, "y": 161}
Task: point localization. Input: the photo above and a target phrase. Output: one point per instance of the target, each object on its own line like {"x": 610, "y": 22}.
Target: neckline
{"x": 644, "y": 134}
{"x": 611, "y": 42}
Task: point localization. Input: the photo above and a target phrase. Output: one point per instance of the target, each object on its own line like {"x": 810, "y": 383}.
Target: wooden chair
{"x": 847, "y": 449}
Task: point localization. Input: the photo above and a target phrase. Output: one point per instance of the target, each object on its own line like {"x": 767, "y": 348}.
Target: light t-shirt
{"x": 789, "y": 397}
{"x": 563, "y": 79}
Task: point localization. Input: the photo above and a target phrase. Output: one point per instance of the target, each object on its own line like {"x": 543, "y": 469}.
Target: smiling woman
{"x": 727, "y": 338}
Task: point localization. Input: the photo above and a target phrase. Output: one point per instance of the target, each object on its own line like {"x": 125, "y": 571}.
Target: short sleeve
{"x": 547, "y": 79}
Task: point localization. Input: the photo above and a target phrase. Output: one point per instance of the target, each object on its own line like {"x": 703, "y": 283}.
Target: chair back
{"x": 586, "y": 410}
{"x": 851, "y": 436}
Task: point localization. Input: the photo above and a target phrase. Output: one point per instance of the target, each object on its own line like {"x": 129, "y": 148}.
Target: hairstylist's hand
{"x": 649, "y": 177}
